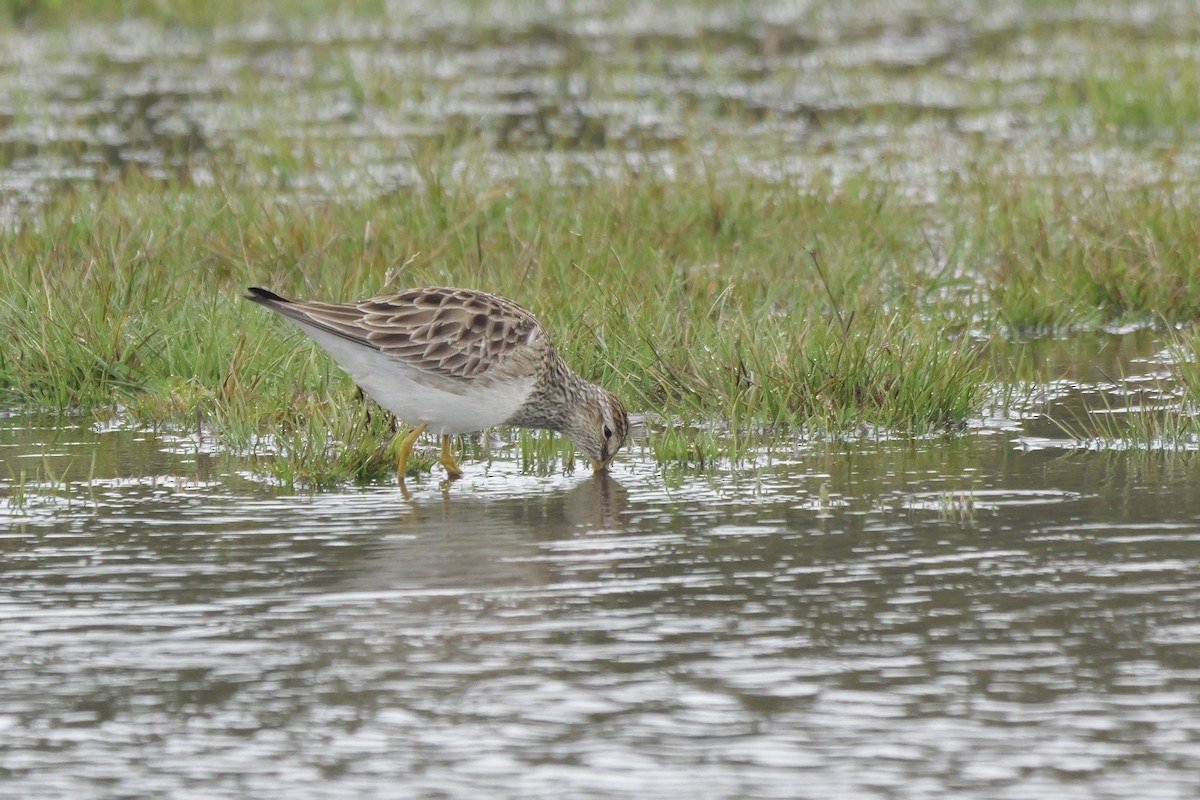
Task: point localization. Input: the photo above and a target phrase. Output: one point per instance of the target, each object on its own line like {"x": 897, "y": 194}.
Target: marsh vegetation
{"x": 752, "y": 230}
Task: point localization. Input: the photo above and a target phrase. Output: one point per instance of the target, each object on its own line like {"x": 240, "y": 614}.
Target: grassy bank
{"x": 754, "y": 305}
{"x": 697, "y": 302}
{"x": 745, "y": 233}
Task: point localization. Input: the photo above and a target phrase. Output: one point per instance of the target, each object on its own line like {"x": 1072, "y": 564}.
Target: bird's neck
{"x": 556, "y": 393}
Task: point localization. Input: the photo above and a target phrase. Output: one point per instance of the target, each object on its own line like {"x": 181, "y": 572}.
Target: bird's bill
{"x": 599, "y": 466}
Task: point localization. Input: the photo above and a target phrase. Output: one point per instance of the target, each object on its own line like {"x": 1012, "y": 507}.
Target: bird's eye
{"x": 607, "y": 432}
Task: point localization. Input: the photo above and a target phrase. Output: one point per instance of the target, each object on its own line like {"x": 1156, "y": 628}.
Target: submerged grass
{"x": 1152, "y": 411}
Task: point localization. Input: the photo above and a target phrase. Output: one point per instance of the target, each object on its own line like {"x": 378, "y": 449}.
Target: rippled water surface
{"x": 995, "y": 616}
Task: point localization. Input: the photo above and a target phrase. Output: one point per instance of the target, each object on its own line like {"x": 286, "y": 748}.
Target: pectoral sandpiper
{"x": 452, "y": 361}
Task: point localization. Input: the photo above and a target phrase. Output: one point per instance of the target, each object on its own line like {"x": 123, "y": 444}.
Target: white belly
{"x": 391, "y": 384}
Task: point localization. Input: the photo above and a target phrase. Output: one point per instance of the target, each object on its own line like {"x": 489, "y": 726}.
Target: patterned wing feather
{"x": 448, "y": 333}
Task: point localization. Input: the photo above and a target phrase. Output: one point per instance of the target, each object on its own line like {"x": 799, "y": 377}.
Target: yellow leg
{"x": 405, "y": 451}
{"x": 448, "y": 460}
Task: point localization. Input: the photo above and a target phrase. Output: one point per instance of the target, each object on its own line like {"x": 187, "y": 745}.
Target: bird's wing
{"x": 449, "y": 333}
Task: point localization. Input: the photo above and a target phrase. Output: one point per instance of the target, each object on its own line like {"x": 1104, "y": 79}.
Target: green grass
{"x": 1145, "y": 92}
{"x": 768, "y": 310}
{"x": 691, "y": 301}
{"x": 754, "y": 305}
{"x": 732, "y": 311}
{"x": 1057, "y": 253}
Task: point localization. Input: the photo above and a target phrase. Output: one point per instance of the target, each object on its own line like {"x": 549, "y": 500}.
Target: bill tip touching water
{"x": 449, "y": 361}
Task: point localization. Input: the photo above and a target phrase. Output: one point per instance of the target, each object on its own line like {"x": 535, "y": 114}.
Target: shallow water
{"x": 1001, "y": 615}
